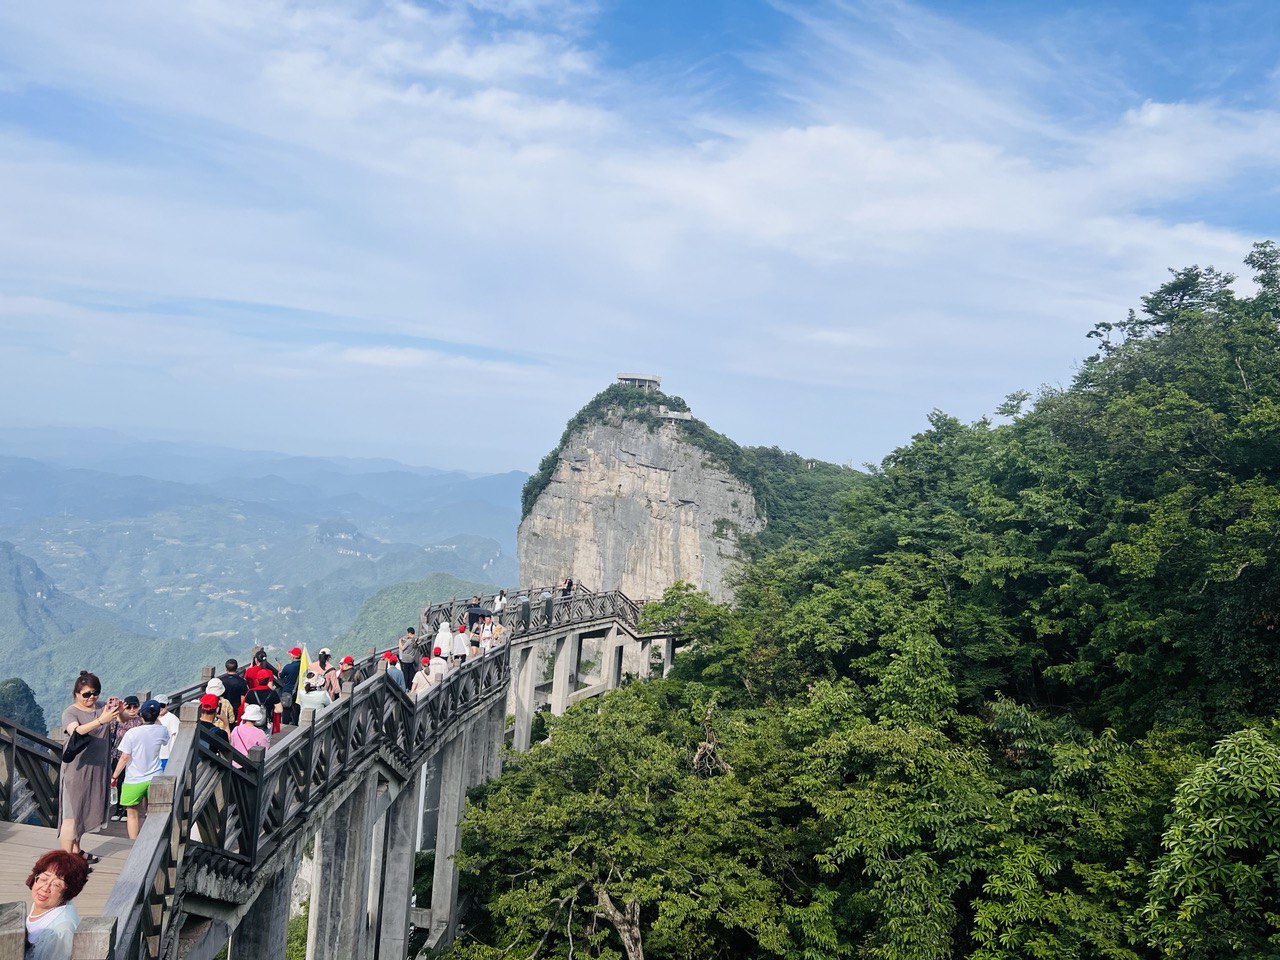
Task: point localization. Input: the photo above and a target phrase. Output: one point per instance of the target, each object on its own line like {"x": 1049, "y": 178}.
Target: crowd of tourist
{"x": 114, "y": 749}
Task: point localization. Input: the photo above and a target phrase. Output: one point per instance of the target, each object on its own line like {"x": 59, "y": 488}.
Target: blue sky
{"x": 432, "y": 231}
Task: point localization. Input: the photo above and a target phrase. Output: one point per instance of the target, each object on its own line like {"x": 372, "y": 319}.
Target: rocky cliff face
{"x": 635, "y": 508}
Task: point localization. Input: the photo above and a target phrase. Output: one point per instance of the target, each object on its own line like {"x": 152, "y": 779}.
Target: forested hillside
{"x": 384, "y": 616}
{"x": 48, "y": 636}
{"x": 1019, "y": 701}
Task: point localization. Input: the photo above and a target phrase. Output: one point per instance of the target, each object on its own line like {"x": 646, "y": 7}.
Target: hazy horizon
{"x": 432, "y": 232}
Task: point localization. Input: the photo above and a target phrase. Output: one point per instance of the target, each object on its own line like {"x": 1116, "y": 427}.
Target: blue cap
{"x": 151, "y": 706}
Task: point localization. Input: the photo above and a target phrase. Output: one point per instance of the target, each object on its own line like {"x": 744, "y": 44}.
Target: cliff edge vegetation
{"x": 794, "y": 495}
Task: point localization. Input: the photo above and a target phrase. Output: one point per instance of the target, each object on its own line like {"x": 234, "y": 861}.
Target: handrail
{"x": 229, "y": 814}
{"x": 367, "y": 665}
{"x": 32, "y": 763}
{"x": 580, "y": 605}
{"x": 230, "y": 820}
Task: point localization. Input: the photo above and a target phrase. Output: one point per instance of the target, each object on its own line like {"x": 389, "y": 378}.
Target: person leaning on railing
{"x": 56, "y": 879}
{"x": 82, "y": 791}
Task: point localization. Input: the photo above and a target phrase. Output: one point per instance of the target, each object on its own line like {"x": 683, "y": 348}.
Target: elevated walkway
{"x": 354, "y": 792}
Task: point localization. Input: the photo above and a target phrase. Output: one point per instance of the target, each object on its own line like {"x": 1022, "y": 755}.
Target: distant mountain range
{"x": 47, "y": 637}
{"x": 134, "y": 552}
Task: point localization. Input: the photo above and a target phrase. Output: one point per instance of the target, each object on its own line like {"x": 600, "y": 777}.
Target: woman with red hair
{"x": 56, "y": 879}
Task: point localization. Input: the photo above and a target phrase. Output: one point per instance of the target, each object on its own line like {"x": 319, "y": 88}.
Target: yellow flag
{"x": 302, "y": 669}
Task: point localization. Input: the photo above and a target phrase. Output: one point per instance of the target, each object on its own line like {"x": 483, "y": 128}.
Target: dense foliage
{"x": 18, "y": 705}
{"x": 1019, "y": 701}
{"x": 794, "y": 495}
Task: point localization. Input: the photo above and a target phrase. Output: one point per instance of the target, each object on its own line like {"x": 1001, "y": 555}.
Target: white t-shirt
{"x": 36, "y": 926}
{"x": 421, "y": 684}
{"x": 439, "y": 667}
{"x": 315, "y": 700}
{"x": 143, "y": 744}
{"x": 171, "y": 724}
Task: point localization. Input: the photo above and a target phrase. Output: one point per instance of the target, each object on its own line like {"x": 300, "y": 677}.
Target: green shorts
{"x": 132, "y": 794}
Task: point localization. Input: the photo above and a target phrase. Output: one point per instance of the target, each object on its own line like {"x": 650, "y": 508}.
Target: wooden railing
{"x": 29, "y": 785}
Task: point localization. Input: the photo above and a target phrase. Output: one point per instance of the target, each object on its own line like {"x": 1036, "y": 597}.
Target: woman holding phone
{"x": 82, "y": 790}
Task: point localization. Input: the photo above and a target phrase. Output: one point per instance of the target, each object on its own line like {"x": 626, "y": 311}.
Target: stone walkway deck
{"x": 23, "y": 844}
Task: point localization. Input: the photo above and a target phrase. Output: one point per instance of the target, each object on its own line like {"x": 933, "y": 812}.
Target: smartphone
{"x": 113, "y": 702}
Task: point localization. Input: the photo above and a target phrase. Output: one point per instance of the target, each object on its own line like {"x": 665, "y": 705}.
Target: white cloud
{"x": 921, "y": 217}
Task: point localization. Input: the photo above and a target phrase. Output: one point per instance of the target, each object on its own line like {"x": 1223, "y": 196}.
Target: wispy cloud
{"x": 925, "y": 213}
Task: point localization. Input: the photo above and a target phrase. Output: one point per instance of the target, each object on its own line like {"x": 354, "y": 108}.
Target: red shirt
{"x": 258, "y": 677}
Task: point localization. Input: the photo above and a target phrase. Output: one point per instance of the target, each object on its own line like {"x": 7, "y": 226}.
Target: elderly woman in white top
{"x": 55, "y": 880}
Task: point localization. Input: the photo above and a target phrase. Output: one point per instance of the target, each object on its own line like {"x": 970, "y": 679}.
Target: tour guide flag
{"x": 302, "y": 671}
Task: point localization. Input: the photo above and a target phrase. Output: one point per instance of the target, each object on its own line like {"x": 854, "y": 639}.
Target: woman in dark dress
{"x": 82, "y": 791}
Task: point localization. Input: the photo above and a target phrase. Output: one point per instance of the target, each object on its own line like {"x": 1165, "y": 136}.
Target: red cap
{"x": 388, "y": 656}
{"x": 437, "y": 651}
{"x": 295, "y": 652}
{"x": 426, "y": 659}
{"x": 209, "y": 703}
{"x": 462, "y": 628}
{"x": 348, "y": 659}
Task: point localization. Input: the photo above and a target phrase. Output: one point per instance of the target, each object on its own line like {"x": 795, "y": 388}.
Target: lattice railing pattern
{"x": 29, "y": 780}
{"x": 231, "y": 814}
{"x": 519, "y": 618}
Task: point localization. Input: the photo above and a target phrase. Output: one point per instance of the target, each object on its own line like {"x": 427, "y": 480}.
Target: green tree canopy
{"x": 18, "y": 704}
{"x": 1013, "y": 697}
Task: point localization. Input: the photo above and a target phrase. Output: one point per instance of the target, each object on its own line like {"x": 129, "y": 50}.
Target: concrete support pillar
{"x": 566, "y": 669}
{"x": 338, "y": 929}
{"x": 668, "y": 655}
{"x": 497, "y": 737}
{"x": 611, "y": 670}
{"x": 477, "y": 751}
{"x": 429, "y": 804}
{"x": 264, "y": 929}
{"x": 646, "y": 659}
{"x": 523, "y": 682}
{"x": 376, "y": 848}
{"x": 400, "y": 849}
{"x": 444, "y": 882}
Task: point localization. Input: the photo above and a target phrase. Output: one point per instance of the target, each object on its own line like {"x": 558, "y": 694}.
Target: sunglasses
{"x": 88, "y": 694}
